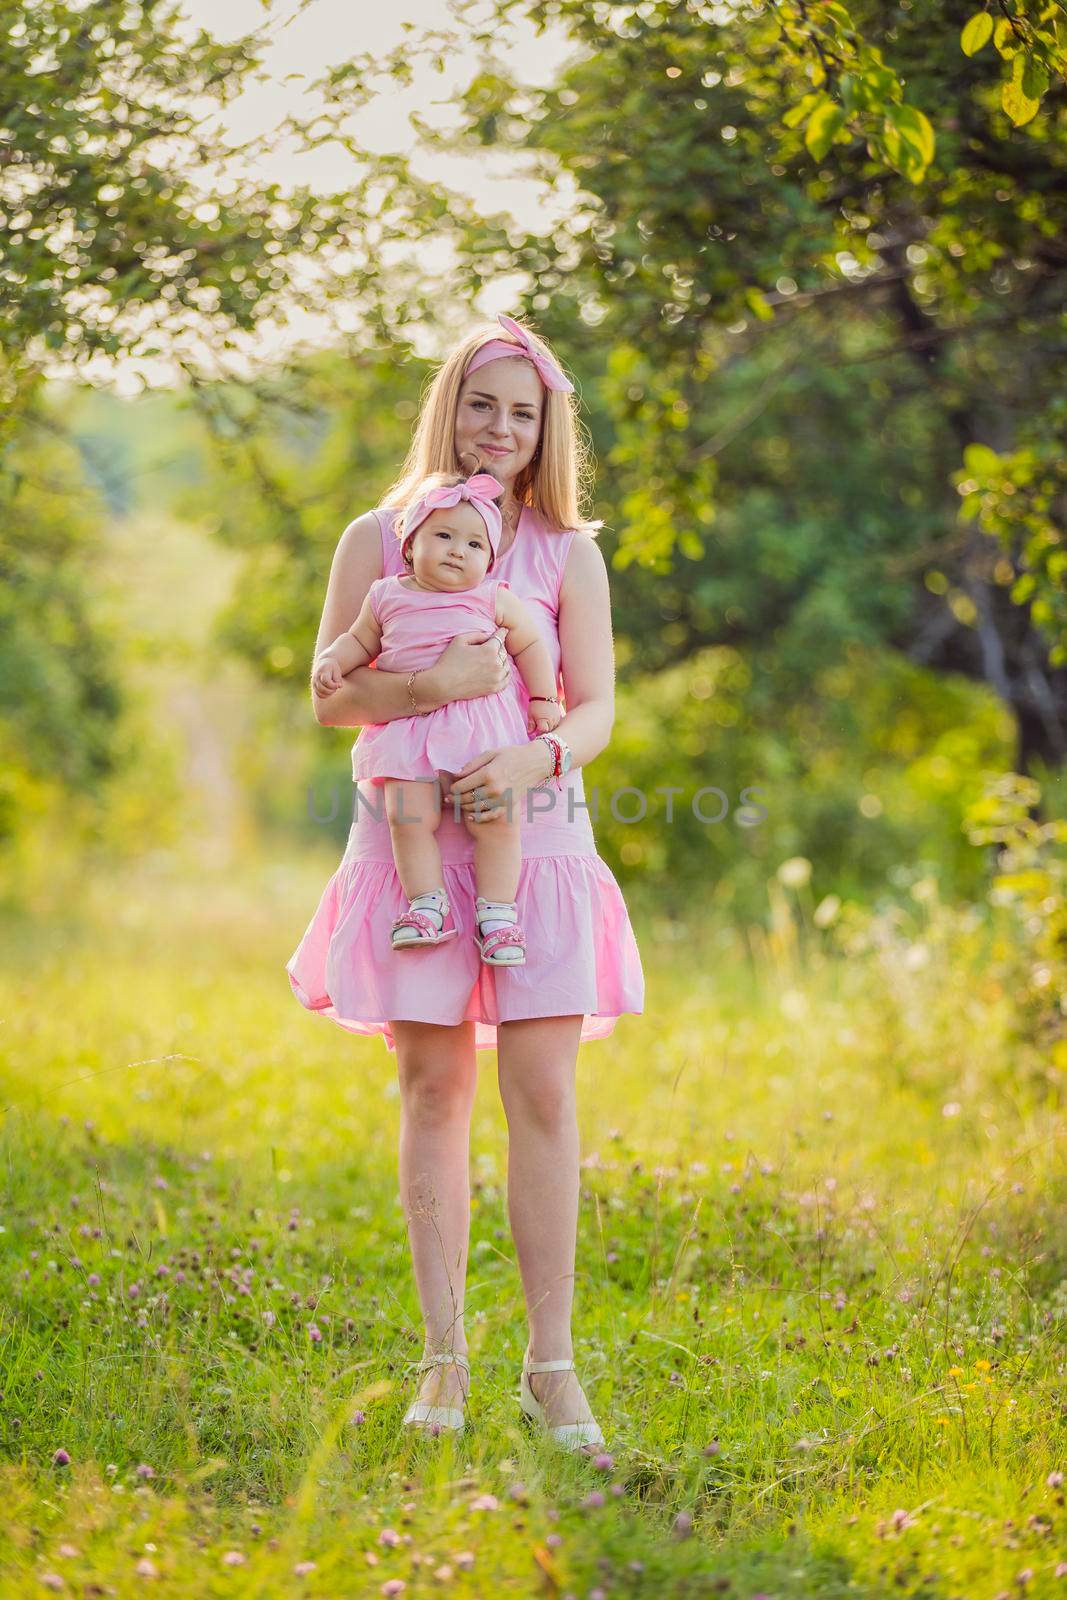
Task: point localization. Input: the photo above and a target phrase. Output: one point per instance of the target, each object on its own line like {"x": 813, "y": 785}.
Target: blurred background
{"x": 816, "y": 349}
{"x": 807, "y": 265}
{"x": 816, "y": 358}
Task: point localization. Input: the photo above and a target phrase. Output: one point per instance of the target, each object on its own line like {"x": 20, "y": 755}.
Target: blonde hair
{"x": 555, "y": 483}
{"x": 435, "y": 480}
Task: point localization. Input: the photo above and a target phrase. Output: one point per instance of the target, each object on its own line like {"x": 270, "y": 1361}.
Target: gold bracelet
{"x": 411, "y": 692}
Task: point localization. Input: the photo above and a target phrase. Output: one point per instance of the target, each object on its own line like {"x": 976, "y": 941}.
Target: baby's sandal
{"x": 414, "y": 929}
{"x": 503, "y": 947}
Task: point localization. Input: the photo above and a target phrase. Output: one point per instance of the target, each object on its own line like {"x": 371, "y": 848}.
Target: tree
{"x": 129, "y": 228}
{"x": 132, "y": 224}
{"x": 707, "y": 221}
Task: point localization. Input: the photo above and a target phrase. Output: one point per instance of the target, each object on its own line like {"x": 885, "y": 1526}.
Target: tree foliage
{"x": 131, "y": 224}
{"x": 703, "y": 220}
{"x": 129, "y": 227}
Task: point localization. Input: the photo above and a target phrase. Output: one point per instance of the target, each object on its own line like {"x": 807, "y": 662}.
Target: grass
{"x": 822, "y": 1274}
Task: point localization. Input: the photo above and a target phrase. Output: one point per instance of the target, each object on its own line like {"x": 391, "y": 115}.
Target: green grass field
{"x": 822, "y": 1275}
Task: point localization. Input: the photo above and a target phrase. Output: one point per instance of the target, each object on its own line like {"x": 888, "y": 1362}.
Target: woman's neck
{"x": 510, "y": 511}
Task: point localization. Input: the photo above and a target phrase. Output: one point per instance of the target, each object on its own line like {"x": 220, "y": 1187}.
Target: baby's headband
{"x": 549, "y": 373}
{"x": 481, "y": 490}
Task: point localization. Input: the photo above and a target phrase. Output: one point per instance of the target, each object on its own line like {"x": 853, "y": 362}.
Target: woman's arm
{"x": 587, "y": 666}
{"x": 465, "y": 669}
{"x": 587, "y": 651}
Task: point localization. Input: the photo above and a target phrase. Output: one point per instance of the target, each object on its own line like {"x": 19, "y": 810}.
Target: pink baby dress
{"x": 581, "y": 954}
{"x": 416, "y": 626}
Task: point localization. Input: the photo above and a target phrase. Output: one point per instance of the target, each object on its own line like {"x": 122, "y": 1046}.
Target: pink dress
{"x": 581, "y": 956}
{"x": 416, "y": 626}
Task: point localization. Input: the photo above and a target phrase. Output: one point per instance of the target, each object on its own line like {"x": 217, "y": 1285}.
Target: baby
{"x": 449, "y": 535}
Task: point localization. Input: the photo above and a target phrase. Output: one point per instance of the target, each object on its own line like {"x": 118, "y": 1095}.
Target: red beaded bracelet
{"x": 557, "y": 758}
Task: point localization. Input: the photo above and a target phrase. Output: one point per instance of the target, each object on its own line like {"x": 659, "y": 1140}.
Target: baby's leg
{"x": 413, "y": 810}
{"x": 497, "y": 856}
{"x": 497, "y": 860}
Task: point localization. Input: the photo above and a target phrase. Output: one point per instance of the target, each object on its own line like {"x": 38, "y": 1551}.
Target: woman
{"x": 504, "y": 403}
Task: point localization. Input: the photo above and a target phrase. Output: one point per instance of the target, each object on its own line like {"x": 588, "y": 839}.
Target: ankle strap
{"x": 496, "y": 910}
{"x": 550, "y": 1366}
{"x": 444, "y": 1358}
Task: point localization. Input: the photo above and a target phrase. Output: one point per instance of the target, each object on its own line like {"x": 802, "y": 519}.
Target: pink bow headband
{"x": 481, "y": 490}
{"x": 549, "y": 373}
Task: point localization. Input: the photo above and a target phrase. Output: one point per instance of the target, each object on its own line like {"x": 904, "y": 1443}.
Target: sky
{"x": 328, "y": 31}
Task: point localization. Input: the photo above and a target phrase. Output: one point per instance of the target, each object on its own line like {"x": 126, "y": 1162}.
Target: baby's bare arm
{"x": 360, "y": 643}
{"x": 524, "y": 644}
{"x": 354, "y": 648}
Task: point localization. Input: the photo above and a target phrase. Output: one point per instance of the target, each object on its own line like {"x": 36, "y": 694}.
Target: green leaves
{"x": 824, "y": 124}
{"x": 855, "y": 88}
{"x": 122, "y": 253}
{"x": 1035, "y": 51}
{"x": 1015, "y": 497}
{"x": 909, "y": 141}
{"x": 1017, "y": 96}
{"x": 977, "y": 32}
{"x": 864, "y": 96}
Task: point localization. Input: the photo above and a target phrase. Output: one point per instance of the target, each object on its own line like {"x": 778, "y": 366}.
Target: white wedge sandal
{"x": 421, "y": 1414}
{"x": 574, "y": 1435}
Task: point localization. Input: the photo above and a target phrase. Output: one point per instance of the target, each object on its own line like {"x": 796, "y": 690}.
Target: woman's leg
{"x": 413, "y": 811}
{"x": 537, "y": 1059}
{"x": 438, "y": 1074}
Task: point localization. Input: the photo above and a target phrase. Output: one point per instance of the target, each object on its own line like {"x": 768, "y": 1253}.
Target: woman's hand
{"x": 484, "y": 784}
{"x": 469, "y": 667}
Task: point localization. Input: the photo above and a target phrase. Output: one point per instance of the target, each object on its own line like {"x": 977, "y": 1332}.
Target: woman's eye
{"x": 524, "y": 416}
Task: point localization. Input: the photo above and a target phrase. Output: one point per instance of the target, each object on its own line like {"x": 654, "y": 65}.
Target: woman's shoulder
{"x": 364, "y": 537}
{"x": 583, "y": 565}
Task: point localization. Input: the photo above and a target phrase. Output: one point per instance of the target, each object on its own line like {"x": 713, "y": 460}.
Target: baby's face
{"x": 451, "y": 550}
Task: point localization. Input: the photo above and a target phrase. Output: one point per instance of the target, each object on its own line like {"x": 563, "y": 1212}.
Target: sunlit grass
{"x": 821, "y": 1273}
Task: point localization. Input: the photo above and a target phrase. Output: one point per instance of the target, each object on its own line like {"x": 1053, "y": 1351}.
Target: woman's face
{"x": 450, "y": 550}
{"x": 500, "y": 415}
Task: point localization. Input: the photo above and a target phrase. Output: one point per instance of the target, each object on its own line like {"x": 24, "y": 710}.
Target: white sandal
{"x": 415, "y": 928}
{"x": 422, "y": 1414}
{"x": 504, "y": 947}
{"x": 575, "y": 1435}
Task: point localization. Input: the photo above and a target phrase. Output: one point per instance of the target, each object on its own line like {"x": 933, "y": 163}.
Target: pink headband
{"x": 549, "y": 373}
{"x": 480, "y": 490}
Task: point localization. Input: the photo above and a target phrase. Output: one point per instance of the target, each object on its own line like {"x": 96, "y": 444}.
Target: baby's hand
{"x": 327, "y": 676}
{"x": 543, "y": 716}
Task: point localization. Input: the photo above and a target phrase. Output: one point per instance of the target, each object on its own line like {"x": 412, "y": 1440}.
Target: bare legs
{"x": 437, "y": 1074}
{"x": 413, "y": 811}
{"x": 537, "y": 1070}
{"x": 497, "y": 856}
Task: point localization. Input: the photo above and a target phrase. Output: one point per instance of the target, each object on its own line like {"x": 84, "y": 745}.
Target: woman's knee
{"x": 537, "y": 1068}
{"x": 437, "y": 1073}
{"x": 546, "y": 1099}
